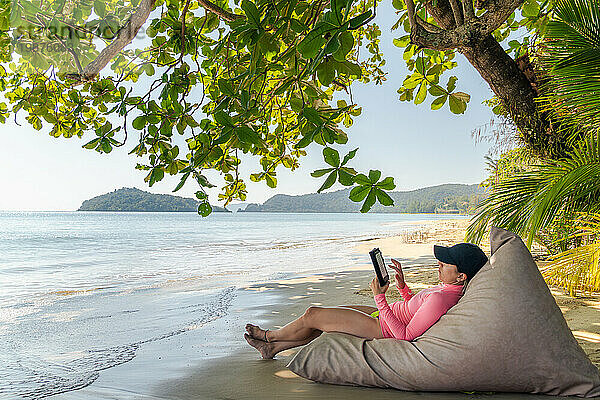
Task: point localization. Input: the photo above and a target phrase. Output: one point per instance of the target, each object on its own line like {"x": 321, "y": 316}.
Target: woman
{"x": 405, "y": 320}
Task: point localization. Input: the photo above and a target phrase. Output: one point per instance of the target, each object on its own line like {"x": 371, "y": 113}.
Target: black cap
{"x": 467, "y": 257}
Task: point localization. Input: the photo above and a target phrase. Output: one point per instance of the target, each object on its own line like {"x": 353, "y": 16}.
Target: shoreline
{"x": 214, "y": 361}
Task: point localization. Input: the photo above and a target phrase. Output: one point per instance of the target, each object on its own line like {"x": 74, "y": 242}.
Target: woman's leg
{"x": 257, "y": 333}
{"x": 366, "y": 309}
{"x": 269, "y": 350}
{"x": 327, "y": 319}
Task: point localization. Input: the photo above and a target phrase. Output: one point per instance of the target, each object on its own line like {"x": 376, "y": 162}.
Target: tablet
{"x": 379, "y": 265}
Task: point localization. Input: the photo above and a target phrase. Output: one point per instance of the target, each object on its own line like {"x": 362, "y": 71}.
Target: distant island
{"x": 132, "y": 199}
{"x": 447, "y": 198}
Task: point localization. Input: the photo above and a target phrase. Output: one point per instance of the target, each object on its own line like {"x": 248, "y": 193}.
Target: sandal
{"x": 266, "y": 340}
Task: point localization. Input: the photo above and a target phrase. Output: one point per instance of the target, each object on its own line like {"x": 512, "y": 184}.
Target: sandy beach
{"x": 220, "y": 365}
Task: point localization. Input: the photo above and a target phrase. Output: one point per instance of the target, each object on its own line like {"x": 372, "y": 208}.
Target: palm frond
{"x": 578, "y": 269}
{"x": 569, "y": 53}
{"x": 529, "y": 201}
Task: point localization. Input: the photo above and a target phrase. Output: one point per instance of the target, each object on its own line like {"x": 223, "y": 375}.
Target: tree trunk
{"x": 508, "y": 83}
{"x": 511, "y": 85}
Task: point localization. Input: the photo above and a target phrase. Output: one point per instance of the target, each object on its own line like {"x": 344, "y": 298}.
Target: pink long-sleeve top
{"x": 410, "y": 318}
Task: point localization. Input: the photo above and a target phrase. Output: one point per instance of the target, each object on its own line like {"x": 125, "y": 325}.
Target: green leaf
{"x": 269, "y": 45}
{"x": 312, "y": 115}
{"x": 462, "y": 96}
{"x": 320, "y": 172}
{"x": 328, "y": 182}
{"x": 252, "y": 13}
{"x": 203, "y": 181}
{"x": 333, "y": 45}
{"x": 247, "y": 135}
{"x": 182, "y": 181}
{"x": 362, "y": 179}
{"x": 369, "y": 201}
{"x": 139, "y": 123}
{"x": 436, "y": 90}
{"x": 100, "y": 8}
{"x": 271, "y": 181}
{"x": 204, "y": 209}
{"x": 349, "y": 156}
{"x": 311, "y": 44}
{"x": 326, "y": 73}
{"x": 305, "y": 141}
{"x": 350, "y": 69}
{"x": 452, "y": 83}
{"x": 374, "y": 175}
{"x": 337, "y": 5}
{"x": 226, "y": 87}
{"x": 387, "y": 183}
{"x": 359, "y": 193}
{"x": 156, "y": 175}
{"x": 398, "y": 4}
{"x": 457, "y": 105}
{"x": 439, "y": 102}
{"x": 345, "y": 178}
{"x": 331, "y": 156}
{"x": 421, "y": 94}
{"x": 530, "y": 8}
{"x": 91, "y": 144}
{"x": 223, "y": 118}
{"x": 359, "y": 20}
{"x": 346, "y": 44}
{"x": 384, "y": 198}
{"x": 224, "y": 137}
{"x": 296, "y": 104}
{"x": 402, "y": 42}
{"x": 106, "y": 147}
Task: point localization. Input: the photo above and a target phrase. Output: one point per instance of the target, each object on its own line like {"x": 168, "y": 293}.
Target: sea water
{"x": 81, "y": 292}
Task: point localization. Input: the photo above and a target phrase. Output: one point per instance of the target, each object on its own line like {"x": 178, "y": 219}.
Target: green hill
{"x": 448, "y": 198}
{"x": 132, "y": 199}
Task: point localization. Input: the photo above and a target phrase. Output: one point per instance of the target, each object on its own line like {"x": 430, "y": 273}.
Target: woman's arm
{"x": 400, "y": 284}
{"x": 405, "y": 292}
{"x": 427, "y": 315}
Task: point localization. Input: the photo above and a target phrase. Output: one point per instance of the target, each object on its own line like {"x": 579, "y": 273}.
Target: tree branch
{"x": 457, "y": 12}
{"x": 221, "y": 13}
{"x": 124, "y": 36}
{"x": 468, "y": 10}
{"x": 441, "y": 13}
{"x": 128, "y": 32}
{"x": 467, "y": 35}
{"x": 498, "y": 12}
{"x": 428, "y": 26}
{"x": 410, "y": 7}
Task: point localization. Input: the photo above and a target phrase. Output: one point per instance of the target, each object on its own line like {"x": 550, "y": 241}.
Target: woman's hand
{"x": 376, "y": 288}
{"x": 396, "y": 266}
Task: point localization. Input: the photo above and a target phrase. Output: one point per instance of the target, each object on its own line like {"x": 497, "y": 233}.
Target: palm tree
{"x": 529, "y": 201}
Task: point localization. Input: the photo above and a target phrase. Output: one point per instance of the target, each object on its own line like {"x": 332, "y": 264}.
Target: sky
{"x": 415, "y": 145}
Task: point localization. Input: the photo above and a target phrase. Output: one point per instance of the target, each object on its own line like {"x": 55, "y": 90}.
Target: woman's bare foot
{"x": 266, "y": 349}
{"x": 256, "y": 333}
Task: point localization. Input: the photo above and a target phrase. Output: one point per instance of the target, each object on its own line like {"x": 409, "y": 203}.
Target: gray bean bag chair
{"x": 506, "y": 334}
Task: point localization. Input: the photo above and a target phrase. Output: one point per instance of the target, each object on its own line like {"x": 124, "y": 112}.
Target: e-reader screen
{"x": 379, "y": 265}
